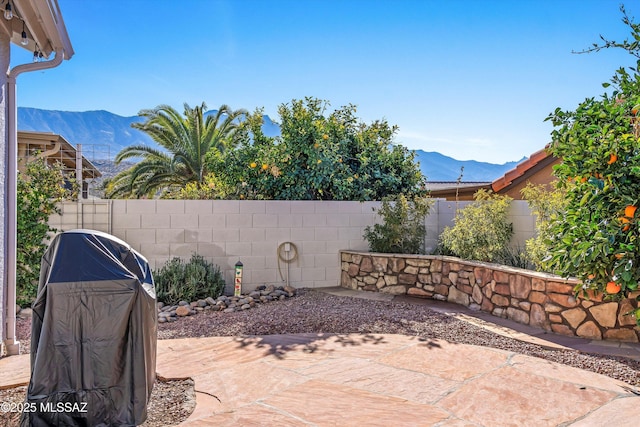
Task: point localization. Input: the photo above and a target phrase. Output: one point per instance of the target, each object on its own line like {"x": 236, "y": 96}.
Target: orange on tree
{"x": 612, "y": 159}
{"x": 624, "y": 220}
{"x": 612, "y": 288}
{"x": 253, "y": 165}
{"x": 265, "y": 166}
{"x": 630, "y": 211}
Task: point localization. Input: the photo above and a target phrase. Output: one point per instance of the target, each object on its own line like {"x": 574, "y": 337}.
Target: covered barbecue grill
{"x": 94, "y": 330}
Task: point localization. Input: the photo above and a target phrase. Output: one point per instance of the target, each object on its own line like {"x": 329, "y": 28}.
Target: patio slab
{"x": 377, "y": 379}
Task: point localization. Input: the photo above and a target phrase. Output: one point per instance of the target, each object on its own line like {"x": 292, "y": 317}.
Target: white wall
{"x": 225, "y": 231}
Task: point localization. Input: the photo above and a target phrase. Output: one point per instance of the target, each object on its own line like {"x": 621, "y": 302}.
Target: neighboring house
{"x": 537, "y": 169}
{"x": 55, "y": 149}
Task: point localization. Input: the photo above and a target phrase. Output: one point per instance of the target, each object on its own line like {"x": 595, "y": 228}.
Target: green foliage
{"x": 39, "y": 190}
{"x": 186, "y": 141}
{"x": 320, "y": 157}
{"x": 548, "y": 206}
{"x": 402, "y": 230}
{"x": 481, "y": 231}
{"x": 196, "y": 279}
{"x": 597, "y": 239}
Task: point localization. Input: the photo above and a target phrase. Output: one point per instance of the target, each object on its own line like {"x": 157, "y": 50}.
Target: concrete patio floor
{"x": 379, "y": 379}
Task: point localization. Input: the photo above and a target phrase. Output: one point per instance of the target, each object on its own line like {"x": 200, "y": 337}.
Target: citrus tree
{"x": 320, "y": 156}
{"x": 597, "y": 237}
{"x": 39, "y": 190}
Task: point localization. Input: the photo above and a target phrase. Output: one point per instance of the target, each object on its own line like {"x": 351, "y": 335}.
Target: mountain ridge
{"x": 103, "y": 134}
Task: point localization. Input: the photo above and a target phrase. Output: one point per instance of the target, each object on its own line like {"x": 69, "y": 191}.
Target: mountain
{"x": 103, "y": 134}
{"x": 438, "y": 167}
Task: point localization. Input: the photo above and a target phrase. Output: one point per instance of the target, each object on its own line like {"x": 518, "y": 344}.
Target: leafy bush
{"x": 39, "y": 190}
{"x": 179, "y": 281}
{"x": 481, "y": 231}
{"x": 403, "y": 229}
{"x": 546, "y": 205}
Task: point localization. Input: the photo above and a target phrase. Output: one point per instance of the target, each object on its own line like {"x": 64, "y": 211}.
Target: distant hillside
{"x": 104, "y": 134}
{"x": 438, "y": 167}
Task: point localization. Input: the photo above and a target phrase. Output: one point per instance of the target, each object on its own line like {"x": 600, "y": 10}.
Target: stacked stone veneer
{"x": 537, "y": 299}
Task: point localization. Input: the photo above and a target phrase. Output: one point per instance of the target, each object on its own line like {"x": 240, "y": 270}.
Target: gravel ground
{"x": 316, "y": 312}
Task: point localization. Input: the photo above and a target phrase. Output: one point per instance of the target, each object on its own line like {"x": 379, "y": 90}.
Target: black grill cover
{"x": 94, "y": 331}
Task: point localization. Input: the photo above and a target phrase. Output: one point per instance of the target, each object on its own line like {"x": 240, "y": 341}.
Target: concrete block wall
{"x": 225, "y": 231}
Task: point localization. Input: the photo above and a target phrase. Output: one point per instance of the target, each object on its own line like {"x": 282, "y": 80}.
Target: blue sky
{"x": 472, "y": 79}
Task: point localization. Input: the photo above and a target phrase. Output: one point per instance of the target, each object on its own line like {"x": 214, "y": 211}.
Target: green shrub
{"x": 545, "y": 205}
{"x": 39, "y": 190}
{"x": 179, "y": 281}
{"x": 403, "y": 229}
{"x": 481, "y": 231}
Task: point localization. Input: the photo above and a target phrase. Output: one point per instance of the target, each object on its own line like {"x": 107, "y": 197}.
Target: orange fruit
{"x": 619, "y": 256}
{"x": 583, "y": 179}
{"x": 265, "y": 166}
{"x": 253, "y": 164}
{"x": 630, "y": 211}
{"x": 624, "y": 220}
{"x": 612, "y": 159}
{"x": 591, "y": 276}
{"x": 316, "y": 145}
{"x": 325, "y": 136}
{"x": 613, "y": 288}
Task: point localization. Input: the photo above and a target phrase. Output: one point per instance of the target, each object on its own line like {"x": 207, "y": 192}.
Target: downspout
{"x": 11, "y": 344}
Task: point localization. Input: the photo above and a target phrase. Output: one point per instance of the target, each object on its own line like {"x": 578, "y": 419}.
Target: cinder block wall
{"x": 225, "y": 231}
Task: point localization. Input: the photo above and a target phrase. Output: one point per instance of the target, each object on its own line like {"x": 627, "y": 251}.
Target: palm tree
{"x": 186, "y": 140}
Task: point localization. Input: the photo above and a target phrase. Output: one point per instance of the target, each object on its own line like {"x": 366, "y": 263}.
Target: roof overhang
{"x": 66, "y": 154}
{"x": 43, "y": 24}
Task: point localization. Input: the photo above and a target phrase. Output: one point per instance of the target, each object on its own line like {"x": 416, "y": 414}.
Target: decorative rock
{"x": 210, "y": 301}
{"x": 500, "y": 300}
{"x": 520, "y": 286}
{"x": 198, "y": 309}
{"x": 564, "y": 300}
{"x": 162, "y": 319}
{"x": 25, "y": 312}
{"x": 416, "y": 292}
{"x": 628, "y": 335}
{"x": 560, "y": 288}
{"x": 366, "y": 265}
{"x": 411, "y": 270}
{"x": 395, "y": 290}
{"x": 353, "y": 270}
{"x": 202, "y": 303}
{"x": 458, "y": 297}
{"x": 589, "y": 330}
{"x": 407, "y": 279}
{"x": 538, "y": 285}
{"x": 477, "y": 294}
{"x": 605, "y": 314}
{"x": 574, "y": 316}
{"x": 537, "y": 317}
{"x": 183, "y": 303}
{"x": 160, "y": 304}
{"x": 390, "y": 280}
{"x": 562, "y": 330}
{"x": 229, "y": 310}
{"x": 518, "y": 315}
{"x": 245, "y": 306}
{"x": 624, "y": 318}
{"x": 183, "y": 310}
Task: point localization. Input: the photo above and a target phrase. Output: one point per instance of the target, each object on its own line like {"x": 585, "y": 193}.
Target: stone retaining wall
{"x": 537, "y": 299}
